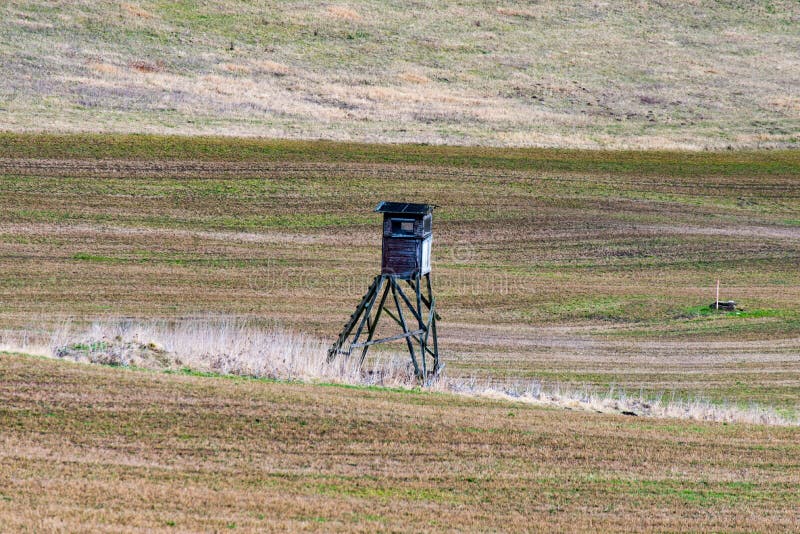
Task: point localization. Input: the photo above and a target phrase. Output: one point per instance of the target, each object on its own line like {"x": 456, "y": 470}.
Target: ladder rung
{"x": 386, "y": 339}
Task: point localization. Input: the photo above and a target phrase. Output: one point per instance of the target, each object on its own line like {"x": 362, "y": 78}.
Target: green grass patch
{"x": 703, "y": 493}
{"x": 140, "y": 146}
{"x": 94, "y": 258}
{"x": 387, "y": 494}
{"x": 709, "y": 311}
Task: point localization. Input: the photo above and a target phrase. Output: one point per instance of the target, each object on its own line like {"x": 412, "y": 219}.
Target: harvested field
{"x": 116, "y": 450}
{"x": 565, "y": 268}
{"x": 585, "y": 268}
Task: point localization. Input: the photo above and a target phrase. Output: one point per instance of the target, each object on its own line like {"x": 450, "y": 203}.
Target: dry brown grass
{"x": 516, "y": 12}
{"x": 580, "y": 269}
{"x": 145, "y": 66}
{"x": 790, "y": 103}
{"x": 236, "y": 68}
{"x": 413, "y": 77}
{"x": 104, "y": 68}
{"x": 221, "y": 345}
{"x": 344, "y": 13}
{"x": 136, "y": 11}
{"x": 272, "y": 67}
{"x": 230, "y": 346}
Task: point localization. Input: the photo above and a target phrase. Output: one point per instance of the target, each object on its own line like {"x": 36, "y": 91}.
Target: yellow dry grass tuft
{"x": 516, "y": 12}
{"x": 32, "y": 25}
{"x": 344, "y": 13}
{"x": 786, "y": 103}
{"x": 145, "y": 67}
{"x": 236, "y": 68}
{"x": 272, "y": 67}
{"x": 136, "y": 11}
{"x": 413, "y": 77}
{"x": 230, "y": 346}
{"x": 222, "y": 345}
{"x": 103, "y": 68}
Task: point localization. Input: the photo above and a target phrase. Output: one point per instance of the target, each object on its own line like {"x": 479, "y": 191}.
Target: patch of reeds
{"x": 236, "y": 347}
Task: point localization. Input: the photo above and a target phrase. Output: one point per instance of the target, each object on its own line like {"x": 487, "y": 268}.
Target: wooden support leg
{"x": 368, "y": 308}
{"x": 417, "y": 315}
{"x": 436, "y": 365}
{"x": 356, "y": 315}
{"x": 362, "y": 318}
{"x": 371, "y": 330}
{"x": 395, "y": 290}
{"x": 425, "y": 300}
{"x": 422, "y": 326}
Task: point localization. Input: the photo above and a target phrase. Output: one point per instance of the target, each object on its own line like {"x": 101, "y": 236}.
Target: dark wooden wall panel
{"x": 400, "y": 256}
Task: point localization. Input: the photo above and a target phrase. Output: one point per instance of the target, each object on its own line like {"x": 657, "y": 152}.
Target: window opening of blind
{"x": 402, "y": 226}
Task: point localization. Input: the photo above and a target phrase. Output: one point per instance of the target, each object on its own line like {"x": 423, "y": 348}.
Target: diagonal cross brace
{"x": 362, "y": 320}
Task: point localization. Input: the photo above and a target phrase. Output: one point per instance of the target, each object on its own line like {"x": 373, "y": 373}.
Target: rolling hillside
{"x": 668, "y": 74}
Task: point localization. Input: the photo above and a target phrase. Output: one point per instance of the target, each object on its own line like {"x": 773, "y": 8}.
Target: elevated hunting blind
{"x": 406, "y": 257}
{"x": 407, "y": 238}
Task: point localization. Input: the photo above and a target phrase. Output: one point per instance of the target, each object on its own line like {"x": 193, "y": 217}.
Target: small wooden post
{"x": 717, "y": 301}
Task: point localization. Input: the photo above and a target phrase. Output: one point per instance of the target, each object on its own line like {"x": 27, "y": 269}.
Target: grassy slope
{"x": 546, "y": 264}
{"x": 614, "y": 74}
{"x": 112, "y": 450}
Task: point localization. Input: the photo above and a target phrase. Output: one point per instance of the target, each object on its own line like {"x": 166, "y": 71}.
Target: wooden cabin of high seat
{"x": 407, "y": 239}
